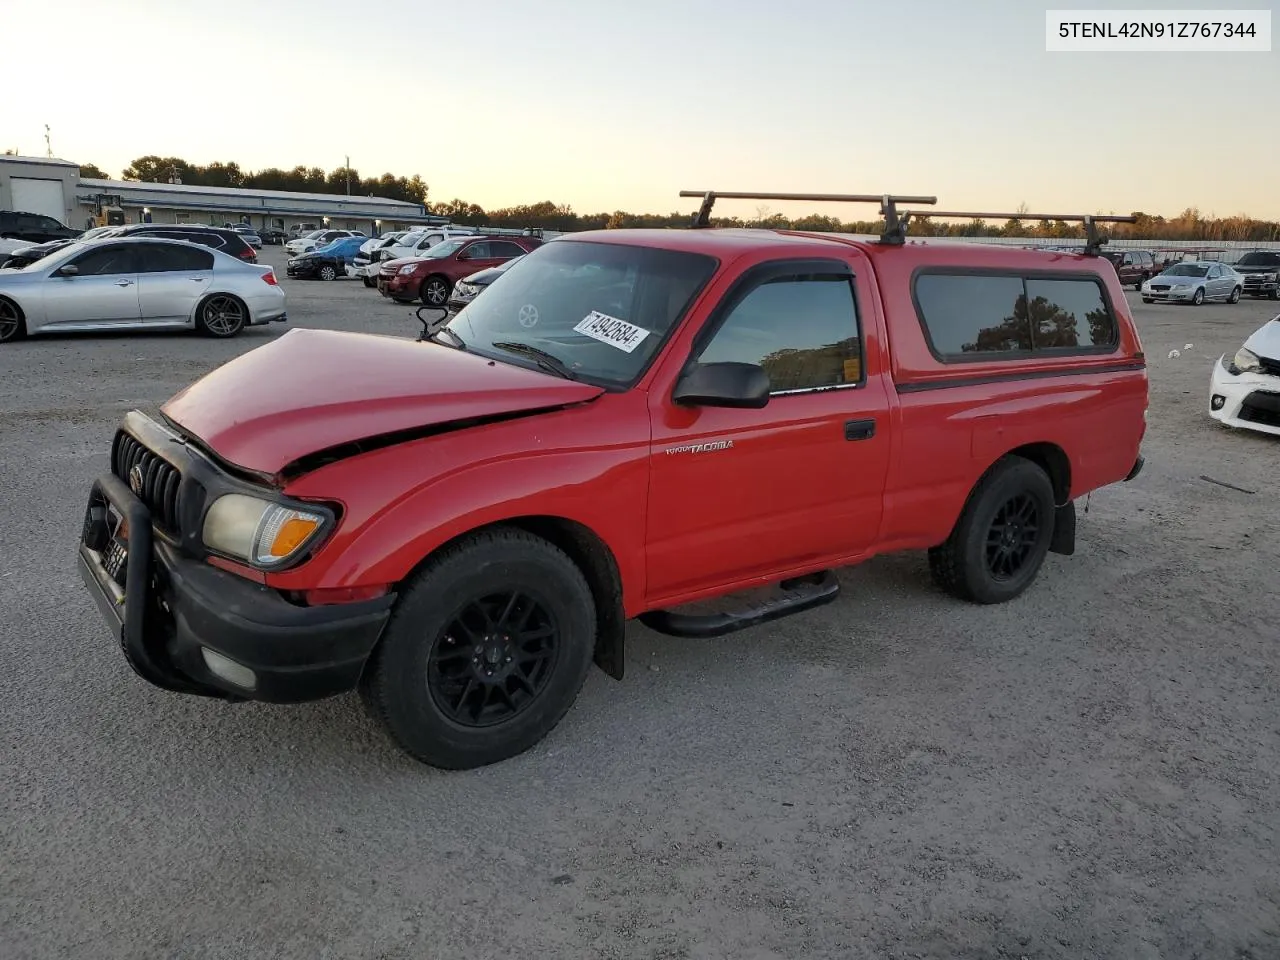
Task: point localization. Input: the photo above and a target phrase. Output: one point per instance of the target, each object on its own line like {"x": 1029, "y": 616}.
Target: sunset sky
{"x": 605, "y": 105}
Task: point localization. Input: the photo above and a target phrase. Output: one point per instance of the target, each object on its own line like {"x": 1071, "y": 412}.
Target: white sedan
{"x": 1244, "y": 391}
{"x": 138, "y": 283}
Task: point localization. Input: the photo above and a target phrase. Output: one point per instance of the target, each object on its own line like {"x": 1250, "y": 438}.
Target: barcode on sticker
{"x": 616, "y": 333}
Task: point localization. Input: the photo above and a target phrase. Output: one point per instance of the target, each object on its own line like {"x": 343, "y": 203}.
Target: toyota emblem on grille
{"x": 135, "y": 479}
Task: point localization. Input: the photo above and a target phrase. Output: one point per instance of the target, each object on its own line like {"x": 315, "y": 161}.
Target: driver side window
{"x": 104, "y": 261}
{"x": 803, "y": 330}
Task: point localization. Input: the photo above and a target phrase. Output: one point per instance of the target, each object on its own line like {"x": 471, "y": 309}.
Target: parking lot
{"x": 1088, "y": 771}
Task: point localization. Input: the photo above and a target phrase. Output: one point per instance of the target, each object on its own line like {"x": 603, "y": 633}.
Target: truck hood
{"x": 316, "y": 390}
{"x": 1257, "y": 268}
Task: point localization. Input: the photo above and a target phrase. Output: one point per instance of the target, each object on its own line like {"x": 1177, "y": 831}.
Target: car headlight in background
{"x": 260, "y": 532}
{"x": 407, "y": 269}
{"x": 1245, "y": 361}
{"x": 464, "y": 291}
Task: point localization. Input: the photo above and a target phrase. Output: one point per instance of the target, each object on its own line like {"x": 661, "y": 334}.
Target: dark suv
{"x": 35, "y": 227}
{"x": 219, "y": 238}
{"x": 1261, "y": 272}
{"x": 1133, "y": 266}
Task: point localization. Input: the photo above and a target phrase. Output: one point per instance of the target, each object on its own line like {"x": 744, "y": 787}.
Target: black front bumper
{"x": 166, "y": 610}
{"x": 303, "y": 271}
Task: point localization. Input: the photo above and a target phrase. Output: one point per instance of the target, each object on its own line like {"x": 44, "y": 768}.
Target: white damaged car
{"x": 1245, "y": 389}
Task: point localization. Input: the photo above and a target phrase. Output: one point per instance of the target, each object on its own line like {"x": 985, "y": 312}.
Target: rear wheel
{"x": 369, "y": 282}
{"x": 1000, "y": 541}
{"x": 13, "y": 325}
{"x": 486, "y": 651}
{"x": 221, "y": 316}
{"x": 328, "y": 273}
{"x": 435, "y": 291}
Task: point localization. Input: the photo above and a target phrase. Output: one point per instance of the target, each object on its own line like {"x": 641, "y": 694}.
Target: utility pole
{"x": 348, "y": 172}
{"x": 48, "y": 145}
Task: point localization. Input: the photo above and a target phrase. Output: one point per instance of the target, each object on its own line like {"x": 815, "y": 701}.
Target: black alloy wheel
{"x": 12, "y": 326}
{"x": 1011, "y": 540}
{"x": 493, "y": 658}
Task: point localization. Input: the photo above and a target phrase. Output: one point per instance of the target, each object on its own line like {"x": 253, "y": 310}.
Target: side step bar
{"x": 798, "y": 595}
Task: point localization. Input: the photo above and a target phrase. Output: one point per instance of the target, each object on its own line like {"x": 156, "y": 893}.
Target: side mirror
{"x": 69, "y": 270}
{"x": 729, "y": 384}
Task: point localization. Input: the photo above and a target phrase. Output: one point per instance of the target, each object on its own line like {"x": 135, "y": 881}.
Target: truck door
{"x": 741, "y": 493}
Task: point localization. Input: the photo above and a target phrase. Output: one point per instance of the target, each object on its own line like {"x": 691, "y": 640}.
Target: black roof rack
{"x": 1094, "y": 240}
{"x": 895, "y": 223}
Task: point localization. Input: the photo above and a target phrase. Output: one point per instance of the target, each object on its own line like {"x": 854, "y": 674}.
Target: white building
{"x": 56, "y": 189}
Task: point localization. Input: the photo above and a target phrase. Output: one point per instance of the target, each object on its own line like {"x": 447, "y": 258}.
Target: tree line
{"x": 1190, "y": 224}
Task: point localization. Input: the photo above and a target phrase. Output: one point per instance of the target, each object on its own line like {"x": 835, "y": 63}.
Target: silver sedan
{"x": 138, "y": 284}
{"x": 1194, "y": 281}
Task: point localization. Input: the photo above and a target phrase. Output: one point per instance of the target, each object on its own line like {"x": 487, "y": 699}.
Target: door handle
{"x": 124, "y": 283}
{"x": 196, "y": 279}
{"x": 859, "y": 429}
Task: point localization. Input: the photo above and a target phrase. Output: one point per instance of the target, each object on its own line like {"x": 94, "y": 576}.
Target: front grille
{"x": 158, "y": 479}
{"x": 1261, "y": 407}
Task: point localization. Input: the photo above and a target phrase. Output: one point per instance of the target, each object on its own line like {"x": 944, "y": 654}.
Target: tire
{"x": 964, "y": 565}
{"x": 1141, "y": 280}
{"x": 221, "y": 316}
{"x": 368, "y": 282}
{"x": 328, "y": 273}
{"x": 1275, "y": 294}
{"x": 13, "y": 325}
{"x": 1235, "y": 295}
{"x": 434, "y": 707}
{"x": 1146, "y": 299}
{"x": 435, "y": 291}
{"x": 1198, "y": 299}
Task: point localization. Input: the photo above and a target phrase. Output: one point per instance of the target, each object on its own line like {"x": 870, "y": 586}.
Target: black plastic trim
{"x": 978, "y": 379}
{"x": 990, "y": 356}
{"x": 173, "y": 606}
{"x": 1064, "y": 529}
{"x": 1137, "y": 469}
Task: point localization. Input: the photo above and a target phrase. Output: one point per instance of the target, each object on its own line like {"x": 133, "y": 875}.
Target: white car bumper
{"x": 1250, "y": 401}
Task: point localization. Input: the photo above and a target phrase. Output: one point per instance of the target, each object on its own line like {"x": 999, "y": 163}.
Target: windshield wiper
{"x": 547, "y": 361}
{"x": 458, "y": 341}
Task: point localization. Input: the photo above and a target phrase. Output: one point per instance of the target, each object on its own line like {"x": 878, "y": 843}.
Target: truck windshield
{"x": 1259, "y": 260}
{"x": 600, "y": 311}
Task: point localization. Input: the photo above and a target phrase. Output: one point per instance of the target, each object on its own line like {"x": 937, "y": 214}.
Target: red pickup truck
{"x": 623, "y": 423}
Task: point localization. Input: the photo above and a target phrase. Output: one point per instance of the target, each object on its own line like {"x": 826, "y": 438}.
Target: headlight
{"x": 1246, "y": 361}
{"x": 259, "y": 532}
{"x": 464, "y": 291}
{"x": 407, "y": 269}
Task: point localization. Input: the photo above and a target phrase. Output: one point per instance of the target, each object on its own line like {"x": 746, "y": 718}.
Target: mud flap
{"x": 1064, "y": 530}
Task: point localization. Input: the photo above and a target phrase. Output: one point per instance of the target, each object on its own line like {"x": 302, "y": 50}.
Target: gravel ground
{"x": 1090, "y": 771}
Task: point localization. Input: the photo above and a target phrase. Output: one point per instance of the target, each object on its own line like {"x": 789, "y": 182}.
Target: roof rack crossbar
{"x": 1094, "y": 240}
{"x": 895, "y": 223}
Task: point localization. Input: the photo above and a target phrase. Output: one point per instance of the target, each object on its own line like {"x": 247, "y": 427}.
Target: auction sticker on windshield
{"x": 616, "y": 333}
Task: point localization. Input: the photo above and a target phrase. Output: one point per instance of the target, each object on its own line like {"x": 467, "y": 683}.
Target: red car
{"x": 627, "y": 421}
{"x": 431, "y": 278}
